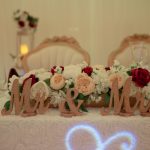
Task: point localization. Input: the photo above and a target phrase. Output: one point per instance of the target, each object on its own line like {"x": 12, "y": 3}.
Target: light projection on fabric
{"x": 100, "y": 144}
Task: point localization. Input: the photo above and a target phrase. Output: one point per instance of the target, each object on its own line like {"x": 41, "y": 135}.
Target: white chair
{"x": 56, "y": 51}
{"x": 130, "y": 50}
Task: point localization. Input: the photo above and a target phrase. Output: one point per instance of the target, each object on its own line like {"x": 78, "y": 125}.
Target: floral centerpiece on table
{"x": 74, "y": 76}
{"x": 91, "y": 82}
{"x": 25, "y": 21}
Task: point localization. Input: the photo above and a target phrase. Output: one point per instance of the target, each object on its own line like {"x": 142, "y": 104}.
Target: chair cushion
{"x": 54, "y": 55}
{"x": 126, "y": 57}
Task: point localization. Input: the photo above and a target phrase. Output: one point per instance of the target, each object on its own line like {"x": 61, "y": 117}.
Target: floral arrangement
{"x": 25, "y": 21}
{"x": 91, "y": 82}
{"x": 140, "y": 78}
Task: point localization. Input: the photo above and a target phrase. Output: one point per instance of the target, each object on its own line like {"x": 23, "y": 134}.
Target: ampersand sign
{"x": 73, "y": 109}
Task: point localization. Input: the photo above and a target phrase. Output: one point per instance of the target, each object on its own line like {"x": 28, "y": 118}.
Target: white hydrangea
{"x": 99, "y": 67}
{"x": 146, "y": 91}
{"x": 139, "y": 65}
{"x": 82, "y": 65}
{"x": 68, "y": 83}
{"x": 120, "y": 71}
{"x": 117, "y": 67}
{"x": 133, "y": 89}
{"x": 94, "y": 97}
{"x": 43, "y": 76}
{"x": 11, "y": 80}
{"x": 72, "y": 71}
{"x": 39, "y": 71}
{"x": 101, "y": 80}
{"x": 57, "y": 97}
{"x": 36, "y": 72}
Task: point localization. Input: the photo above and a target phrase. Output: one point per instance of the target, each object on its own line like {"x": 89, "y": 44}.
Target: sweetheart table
{"x": 88, "y": 132}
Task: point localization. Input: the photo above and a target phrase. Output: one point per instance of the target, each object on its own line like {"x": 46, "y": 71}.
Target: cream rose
{"x": 57, "y": 82}
{"x": 72, "y": 71}
{"x": 84, "y": 84}
{"x": 41, "y": 88}
{"x": 43, "y": 76}
{"x": 119, "y": 76}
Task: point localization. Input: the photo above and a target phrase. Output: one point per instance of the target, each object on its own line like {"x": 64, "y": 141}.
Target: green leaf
{"x": 82, "y": 97}
{"x": 9, "y": 93}
{"x": 107, "y": 98}
{"x": 67, "y": 106}
{"x": 36, "y": 20}
{"x": 71, "y": 85}
{"x": 47, "y": 81}
{"x": 76, "y": 102}
{"x": 7, "y": 105}
{"x": 17, "y": 18}
{"x": 32, "y": 19}
{"x": 83, "y": 108}
{"x": 129, "y": 73}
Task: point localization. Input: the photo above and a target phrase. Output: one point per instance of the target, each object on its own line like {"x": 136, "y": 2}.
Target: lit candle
{"x": 24, "y": 49}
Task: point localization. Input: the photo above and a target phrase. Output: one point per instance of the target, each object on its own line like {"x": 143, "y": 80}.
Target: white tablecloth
{"x": 49, "y": 131}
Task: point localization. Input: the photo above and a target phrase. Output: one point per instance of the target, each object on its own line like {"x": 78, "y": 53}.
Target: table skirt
{"x": 88, "y": 132}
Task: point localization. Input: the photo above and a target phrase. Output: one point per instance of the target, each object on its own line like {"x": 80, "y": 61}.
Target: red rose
{"x": 140, "y": 76}
{"x": 32, "y": 25}
{"x": 21, "y": 23}
{"x": 88, "y": 70}
{"x": 53, "y": 69}
{"x": 62, "y": 68}
{"x": 34, "y": 79}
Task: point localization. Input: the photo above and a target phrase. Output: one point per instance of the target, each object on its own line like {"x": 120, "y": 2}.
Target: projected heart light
{"x": 100, "y": 144}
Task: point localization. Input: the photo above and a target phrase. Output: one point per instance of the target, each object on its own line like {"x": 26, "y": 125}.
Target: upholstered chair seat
{"x": 57, "y": 51}
{"x": 132, "y": 49}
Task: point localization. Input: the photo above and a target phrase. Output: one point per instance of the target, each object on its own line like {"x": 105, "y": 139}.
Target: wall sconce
{"x": 24, "y": 49}
{"x": 25, "y": 42}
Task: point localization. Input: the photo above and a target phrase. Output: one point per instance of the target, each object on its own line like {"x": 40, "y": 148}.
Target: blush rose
{"x": 84, "y": 84}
